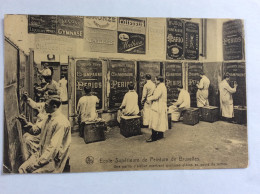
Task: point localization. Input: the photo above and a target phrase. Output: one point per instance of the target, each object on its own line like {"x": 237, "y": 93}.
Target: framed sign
{"x": 71, "y": 26}
{"x": 173, "y": 78}
{"x": 46, "y": 24}
{"x": 89, "y": 73}
{"x": 131, "y": 43}
{"x": 191, "y": 41}
{"x": 121, "y": 74}
{"x": 233, "y": 46}
{"x": 175, "y": 39}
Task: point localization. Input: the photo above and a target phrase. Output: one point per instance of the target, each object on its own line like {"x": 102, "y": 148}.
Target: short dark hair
{"x": 87, "y": 89}
{"x": 160, "y": 78}
{"x": 226, "y": 76}
{"x": 131, "y": 86}
{"x": 148, "y": 76}
{"x": 62, "y": 76}
{"x": 180, "y": 86}
{"x": 55, "y": 100}
{"x": 202, "y": 72}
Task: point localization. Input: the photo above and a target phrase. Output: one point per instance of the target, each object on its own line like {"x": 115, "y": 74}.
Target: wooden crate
{"x": 210, "y": 114}
{"x": 130, "y": 126}
{"x": 94, "y": 131}
{"x": 240, "y": 115}
{"x": 191, "y": 116}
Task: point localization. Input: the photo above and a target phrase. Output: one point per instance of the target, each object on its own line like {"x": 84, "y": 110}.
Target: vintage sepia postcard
{"x": 84, "y": 94}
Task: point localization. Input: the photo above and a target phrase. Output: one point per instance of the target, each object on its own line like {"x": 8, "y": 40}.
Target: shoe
{"x": 160, "y": 135}
{"x": 150, "y": 140}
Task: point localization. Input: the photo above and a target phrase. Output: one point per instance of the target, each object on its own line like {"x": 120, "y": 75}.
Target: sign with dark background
{"x": 146, "y": 67}
{"x": 173, "y": 78}
{"x": 71, "y": 26}
{"x": 89, "y": 73}
{"x": 175, "y": 39}
{"x": 194, "y": 78}
{"x": 131, "y": 43}
{"x": 132, "y": 25}
{"x": 191, "y": 41}
{"x": 42, "y": 24}
{"x": 121, "y": 74}
{"x": 237, "y": 72}
{"x": 233, "y": 40}
{"x": 64, "y": 71}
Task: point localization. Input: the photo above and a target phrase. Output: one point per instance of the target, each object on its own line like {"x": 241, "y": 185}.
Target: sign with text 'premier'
{"x": 132, "y": 25}
{"x": 89, "y": 73}
{"x": 175, "y": 39}
{"x": 98, "y": 40}
{"x": 107, "y": 23}
{"x": 131, "y": 43}
{"x": 191, "y": 41}
{"x": 233, "y": 40}
{"x": 71, "y": 26}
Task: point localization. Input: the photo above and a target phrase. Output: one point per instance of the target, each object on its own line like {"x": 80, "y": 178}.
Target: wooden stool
{"x": 191, "y": 116}
{"x": 240, "y": 115}
{"x": 130, "y": 126}
{"x": 94, "y": 131}
{"x": 209, "y": 113}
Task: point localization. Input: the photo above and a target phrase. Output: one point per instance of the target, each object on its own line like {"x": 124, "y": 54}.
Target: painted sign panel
{"x": 121, "y": 74}
{"x": 146, "y": 67}
{"x": 132, "y": 25}
{"x": 71, "y": 26}
{"x": 233, "y": 40}
{"x": 191, "y": 41}
{"x": 175, "y": 39}
{"x": 237, "y": 72}
{"x": 131, "y": 43}
{"x": 173, "y": 78}
{"x": 108, "y": 23}
{"x": 97, "y": 40}
{"x": 89, "y": 73}
{"x": 42, "y": 24}
{"x": 194, "y": 70}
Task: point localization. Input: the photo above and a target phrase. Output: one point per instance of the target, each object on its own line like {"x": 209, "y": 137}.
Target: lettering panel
{"x": 175, "y": 37}
{"x": 132, "y": 25}
{"x": 42, "y": 24}
{"x": 237, "y": 72}
{"x": 121, "y": 74}
{"x": 193, "y": 79}
{"x": 191, "y": 41}
{"x": 146, "y": 67}
{"x": 71, "y": 26}
{"x": 89, "y": 73}
{"x": 173, "y": 78}
{"x": 233, "y": 40}
{"x": 131, "y": 43}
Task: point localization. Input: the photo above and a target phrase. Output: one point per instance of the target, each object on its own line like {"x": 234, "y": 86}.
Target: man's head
{"x": 87, "y": 90}
{"x": 148, "y": 77}
{"x": 131, "y": 86}
{"x": 62, "y": 76}
{"x": 227, "y": 76}
{"x": 52, "y": 104}
{"x": 159, "y": 79}
{"x": 201, "y": 73}
{"x": 179, "y": 87}
{"x": 45, "y": 65}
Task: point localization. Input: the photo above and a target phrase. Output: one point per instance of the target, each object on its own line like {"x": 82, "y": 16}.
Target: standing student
{"x": 181, "y": 105}
{"x": 129, "y": 106}
{"x": 54, "y": 142}
{"x": 148, "y": 90}
{"x": 203, "y": 91}
{"x": 226, "y": 99}
{"x": 63, "y": 89}
{"x": 159, "y": 118}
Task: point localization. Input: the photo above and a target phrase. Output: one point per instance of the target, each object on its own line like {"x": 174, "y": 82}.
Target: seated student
{"x": 54, "y": 142}
{"x": 129, "y": 106}
{"x": 182, "y": 104}
{"x": 32, "y": 130}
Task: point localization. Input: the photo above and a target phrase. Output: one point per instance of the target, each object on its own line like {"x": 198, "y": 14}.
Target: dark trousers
{"x": 156, "y": 135}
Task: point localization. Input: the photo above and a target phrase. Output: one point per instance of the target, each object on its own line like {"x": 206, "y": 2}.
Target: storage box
{"x": 130, "y": 126}
{"x": 94, "y": 131}
{"x": 240, "y": 115}
{"x": 191, "y": 116}
{"x": 209, "y": 113}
